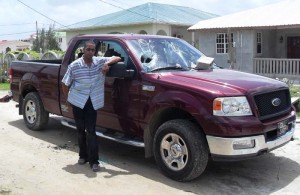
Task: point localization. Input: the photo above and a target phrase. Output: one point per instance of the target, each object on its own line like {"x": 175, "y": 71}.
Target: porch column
{"x": 193, "y": 38}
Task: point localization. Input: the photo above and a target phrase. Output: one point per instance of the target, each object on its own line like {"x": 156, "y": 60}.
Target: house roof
{"x": 15, "y": 42}
{"x": 4, "y": 42}
{"x": 284, "y": 14}
{"x": 146, "y": 13}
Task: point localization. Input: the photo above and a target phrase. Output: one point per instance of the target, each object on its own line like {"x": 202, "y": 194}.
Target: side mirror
{"x": 119, "y": 70}
{"x": 204, "y": 63}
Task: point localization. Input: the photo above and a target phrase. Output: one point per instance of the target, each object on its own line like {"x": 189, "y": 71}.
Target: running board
{"x": 121, "y": 138}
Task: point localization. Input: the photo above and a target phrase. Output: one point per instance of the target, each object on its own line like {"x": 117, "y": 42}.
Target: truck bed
{"x": 42, "y": 75}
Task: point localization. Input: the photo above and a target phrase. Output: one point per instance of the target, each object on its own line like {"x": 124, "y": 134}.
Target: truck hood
{"x": 222, "y": 81}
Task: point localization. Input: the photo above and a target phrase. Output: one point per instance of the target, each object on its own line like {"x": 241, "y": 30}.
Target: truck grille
{"x": 265, "y": 107}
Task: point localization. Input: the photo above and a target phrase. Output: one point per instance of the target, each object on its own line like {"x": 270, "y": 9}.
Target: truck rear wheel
{"x": 34, "y": 114}
{"x": 180, "y": 150}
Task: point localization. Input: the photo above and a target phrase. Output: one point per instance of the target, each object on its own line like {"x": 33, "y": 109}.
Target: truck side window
{"x": 112, "y": 48}
{"x": 77, "y": 51}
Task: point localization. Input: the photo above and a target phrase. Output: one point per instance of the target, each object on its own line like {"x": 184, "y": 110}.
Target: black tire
{"x": 180, "y": 150}
{"x": 34, "y": 114}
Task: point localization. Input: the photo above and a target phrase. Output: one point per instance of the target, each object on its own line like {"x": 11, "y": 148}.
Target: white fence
{"x": 277, "y": 68}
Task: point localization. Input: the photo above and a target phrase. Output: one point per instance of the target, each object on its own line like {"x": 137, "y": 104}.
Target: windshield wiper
{"x": 167, "y": 68}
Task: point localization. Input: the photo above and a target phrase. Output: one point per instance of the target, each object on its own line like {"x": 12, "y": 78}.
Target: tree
{"x": 46, "y": 40}
{"x": 8, "y": 49}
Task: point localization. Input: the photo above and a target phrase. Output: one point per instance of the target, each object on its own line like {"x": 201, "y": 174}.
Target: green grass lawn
{"x": 295, "y": 92}
{"x": 4, "y": 86}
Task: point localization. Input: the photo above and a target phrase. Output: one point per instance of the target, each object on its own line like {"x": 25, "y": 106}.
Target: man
{"x": 83, "y": 85}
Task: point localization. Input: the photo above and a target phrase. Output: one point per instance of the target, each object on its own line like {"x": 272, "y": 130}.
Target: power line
{"x": 43, "y": 15}
{"x": 17, "y": 33}
{"x": 33, "y": 31}
{"x": 39, "y": 13}
{"x": 123, "y": 3}
{"x": 22, "y": 24}
{"x": 15, "y": 24}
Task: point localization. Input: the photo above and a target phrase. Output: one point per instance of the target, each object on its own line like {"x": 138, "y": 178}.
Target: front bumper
{"x": 223, "y": 148}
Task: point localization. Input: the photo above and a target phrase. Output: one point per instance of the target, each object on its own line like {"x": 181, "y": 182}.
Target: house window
{"x": 222, "y": 42}
{"x": 59, "y": 40}
{"x": 258, "y": 42}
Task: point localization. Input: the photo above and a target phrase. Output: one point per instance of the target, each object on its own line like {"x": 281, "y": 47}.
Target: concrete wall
{"x": 244, "y": 49}
{"x": 181, "y": 32}
{"x": 281, "y": 49}
{"x": 272, "y": 46}
{"x": 246, "y": 46}
{"x": 269, "y": 42}
{"x": 63, "y": 44}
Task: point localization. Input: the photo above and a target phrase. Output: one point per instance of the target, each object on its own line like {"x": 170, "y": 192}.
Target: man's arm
{"x": 111, "y": 61}
{"x": 65, "y": 90}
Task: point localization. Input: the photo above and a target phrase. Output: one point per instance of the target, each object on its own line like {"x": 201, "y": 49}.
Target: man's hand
{"x": 105, "y": 68}
{"x": 113, "y": 60}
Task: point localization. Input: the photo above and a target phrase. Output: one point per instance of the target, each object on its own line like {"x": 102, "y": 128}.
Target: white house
{"x": 61, "y": 39}
{"x": 265, "y": 40}
{"x": 149, "y": 18}
{"x": 14, "y": 45}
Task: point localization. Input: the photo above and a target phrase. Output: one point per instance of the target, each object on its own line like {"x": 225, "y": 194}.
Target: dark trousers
{"x": 85, "y": 120}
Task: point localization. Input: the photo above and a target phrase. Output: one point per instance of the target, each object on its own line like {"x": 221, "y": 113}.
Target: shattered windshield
{"x": 164, "y": 54}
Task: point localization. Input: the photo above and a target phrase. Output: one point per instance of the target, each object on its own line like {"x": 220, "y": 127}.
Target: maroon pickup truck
{"x": 167, "y": 97}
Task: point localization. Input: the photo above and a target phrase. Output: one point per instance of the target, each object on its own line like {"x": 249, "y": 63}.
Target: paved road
{"x": 45, "y": 163}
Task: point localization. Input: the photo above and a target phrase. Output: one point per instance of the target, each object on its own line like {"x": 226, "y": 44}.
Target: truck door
{"x": 121, "y": 104}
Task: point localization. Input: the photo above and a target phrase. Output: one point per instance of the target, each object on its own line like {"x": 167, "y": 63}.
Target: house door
{"x": 293, "y": 47}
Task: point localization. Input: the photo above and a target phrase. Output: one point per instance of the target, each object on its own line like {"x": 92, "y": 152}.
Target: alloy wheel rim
{"x": 30, "y": 111}
{"x": 174, "y": 152}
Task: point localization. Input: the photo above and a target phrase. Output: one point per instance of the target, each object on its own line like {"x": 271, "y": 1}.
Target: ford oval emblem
{"x": 276, "y": 102}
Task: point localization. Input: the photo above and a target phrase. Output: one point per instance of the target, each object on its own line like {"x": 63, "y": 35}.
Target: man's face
{"x": 89, "y": 50}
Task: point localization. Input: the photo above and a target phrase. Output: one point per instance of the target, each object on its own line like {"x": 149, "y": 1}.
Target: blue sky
{"x": 18, "y": 21}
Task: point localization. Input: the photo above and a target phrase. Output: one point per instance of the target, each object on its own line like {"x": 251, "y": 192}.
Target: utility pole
{"x": 36, "y": 28}
{"x": 37, "y": 35}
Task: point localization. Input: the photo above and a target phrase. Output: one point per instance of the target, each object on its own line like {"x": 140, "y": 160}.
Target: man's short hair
{"x": 89, "y": 42}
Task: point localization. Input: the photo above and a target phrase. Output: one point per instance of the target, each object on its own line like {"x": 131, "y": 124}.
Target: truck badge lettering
{"x": 148, "y": 88}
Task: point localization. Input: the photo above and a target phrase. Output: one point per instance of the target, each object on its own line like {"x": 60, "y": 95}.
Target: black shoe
{"x": 82, "y": 161}
{"x": 95, "y": 167}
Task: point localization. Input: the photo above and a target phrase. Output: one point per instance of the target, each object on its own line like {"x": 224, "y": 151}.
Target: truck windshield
{"x": 164, "y": 54}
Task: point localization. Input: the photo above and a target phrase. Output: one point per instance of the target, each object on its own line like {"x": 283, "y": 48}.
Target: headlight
{"x": 231, "y": 106}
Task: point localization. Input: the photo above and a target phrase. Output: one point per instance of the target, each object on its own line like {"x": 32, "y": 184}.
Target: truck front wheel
{"x": 34, "y": 114}
{"x": 180, "y": 150}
